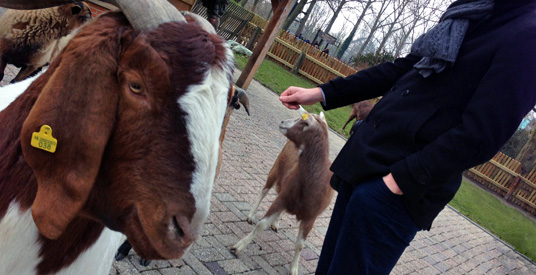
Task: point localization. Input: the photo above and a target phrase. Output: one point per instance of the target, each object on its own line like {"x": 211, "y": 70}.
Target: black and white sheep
{"x": 30, "y": 39}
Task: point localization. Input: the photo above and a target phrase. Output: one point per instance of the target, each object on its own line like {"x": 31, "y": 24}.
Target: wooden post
{"x": 299, "y": 62}
{"x": 253, "y": 38}
{"x": 280, "y": 14}
{"x": 514, "y": 187}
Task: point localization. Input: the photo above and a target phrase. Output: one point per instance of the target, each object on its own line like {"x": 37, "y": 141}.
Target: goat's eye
{"x": 135, "y": 88}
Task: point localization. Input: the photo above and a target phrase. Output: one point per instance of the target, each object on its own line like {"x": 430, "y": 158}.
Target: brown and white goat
{"x": 30, "y": 39}
{"x": 360, "y": 111}
{"x": 301, "y": 176}
{"x": 137, "y": 115}
{"x": 239, "y": 97}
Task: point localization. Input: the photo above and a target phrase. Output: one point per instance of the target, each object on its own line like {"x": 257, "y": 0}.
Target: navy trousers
{"x": 368, "y": 231}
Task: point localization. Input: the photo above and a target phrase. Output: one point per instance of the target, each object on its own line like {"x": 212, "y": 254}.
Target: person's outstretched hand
{"x": 293, "y": 97}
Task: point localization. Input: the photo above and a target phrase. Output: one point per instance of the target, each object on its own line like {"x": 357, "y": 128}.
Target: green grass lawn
{"x": 504, "y": 221}
{"x": 278, "y": 79}
{"x": 507, "y": 223}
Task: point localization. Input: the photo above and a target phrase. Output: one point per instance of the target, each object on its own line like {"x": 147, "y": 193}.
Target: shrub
{"x": 516, "y": 142}
{"x": 371, "y": 59}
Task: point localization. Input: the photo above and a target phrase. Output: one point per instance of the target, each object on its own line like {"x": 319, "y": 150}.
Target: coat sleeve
{"x": 506, "y": 93}
{"x": 366, "y": 84}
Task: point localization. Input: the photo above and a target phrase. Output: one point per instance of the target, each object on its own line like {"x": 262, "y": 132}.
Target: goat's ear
{"x": 322, "y": 117}
{"x": 78, "y": 100}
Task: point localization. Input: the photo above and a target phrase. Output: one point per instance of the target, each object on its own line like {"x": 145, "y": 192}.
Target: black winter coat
{"x": 426, "y": 132}
{"x": 215, "y": 8}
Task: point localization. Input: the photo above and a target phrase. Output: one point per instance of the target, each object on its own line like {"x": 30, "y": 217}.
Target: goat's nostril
{"x": 178, "y": 228}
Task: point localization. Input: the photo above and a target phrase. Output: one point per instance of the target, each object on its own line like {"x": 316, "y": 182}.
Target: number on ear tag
{"x": 304, "y": 116}
{"x": 44, "y": 139}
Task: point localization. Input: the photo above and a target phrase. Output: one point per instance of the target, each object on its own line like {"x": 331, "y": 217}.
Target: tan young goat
{"x": 301, "y": 175}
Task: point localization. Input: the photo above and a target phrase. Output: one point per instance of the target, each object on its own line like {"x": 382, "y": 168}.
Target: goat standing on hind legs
{"x": 301, "y": 175}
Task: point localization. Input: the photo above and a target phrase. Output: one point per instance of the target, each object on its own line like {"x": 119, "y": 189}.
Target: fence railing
{"x": 503, "y": 175}
{"x": 315, "y": 65}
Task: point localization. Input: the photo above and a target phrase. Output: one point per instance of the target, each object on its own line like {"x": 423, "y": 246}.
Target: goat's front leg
{"x": 123, "y": 250}
{"x": 305, "y": 228}
{"x": 2, "y": 68}
{"x": 253, "y": 211}
{"x": 261, "y": 225}
{"x": 24, "y": 73}
{"x": 352, "y": 116}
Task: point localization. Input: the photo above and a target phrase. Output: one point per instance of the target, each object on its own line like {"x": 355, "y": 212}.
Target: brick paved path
{"x": 454, "y": 246}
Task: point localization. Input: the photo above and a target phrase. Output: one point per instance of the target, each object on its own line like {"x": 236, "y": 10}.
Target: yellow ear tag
{"x": 304, "y": 116}
{"x": 44, "y": 139}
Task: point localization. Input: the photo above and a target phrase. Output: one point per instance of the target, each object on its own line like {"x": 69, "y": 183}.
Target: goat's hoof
{"x": 144, "y": 262}
{"x": 274, "y": 228}
{"x": 250, "y": 220}
{"x": 234, "y": 250}
{"x": 119, "y": 256}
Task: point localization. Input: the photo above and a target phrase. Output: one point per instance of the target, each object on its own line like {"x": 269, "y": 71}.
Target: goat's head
{"x": 298, "y": 130}
{"x": 76, "y": 14}
{"x": 137, "y": 117}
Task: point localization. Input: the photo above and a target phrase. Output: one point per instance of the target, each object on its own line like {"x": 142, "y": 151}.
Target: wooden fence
{"x": 300, "y": 57}
{"x": 503, "y": 175}
{"x": 232, "y": 22}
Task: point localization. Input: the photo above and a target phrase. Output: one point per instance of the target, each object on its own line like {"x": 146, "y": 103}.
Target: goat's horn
{"x": 148, "y": 14}
{"x": 243, "y": 98}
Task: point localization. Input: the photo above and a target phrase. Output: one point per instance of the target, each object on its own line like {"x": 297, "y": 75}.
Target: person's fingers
{"x": 291, "y": 97}
{"x": 287, "y": 99}
{"x": 289, "y": 91}
{"x": 292, "y": 106}
{"x": 288, "y": 96}
{"x": 289, "y": 102}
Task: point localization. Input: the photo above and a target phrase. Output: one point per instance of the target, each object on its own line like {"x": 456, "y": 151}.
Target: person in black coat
{"x": 215, "y": 10}
{"x": 449, "y": 105}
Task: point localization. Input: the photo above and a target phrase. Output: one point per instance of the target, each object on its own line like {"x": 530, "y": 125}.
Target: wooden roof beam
{"x": 281, "y": 11}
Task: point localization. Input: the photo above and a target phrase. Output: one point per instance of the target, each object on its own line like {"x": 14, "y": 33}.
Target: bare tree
{"x": 254, "y": 7}
{"x": 260, "y": 7}
{"x": 346, "y": 43}
{"x": 422, "y": 15}
{"x": 294, "y": 14}
{"x": 398, "y": 10}
{"x": 375, "y": 25}
{"x": 336, "y": 11}
{"x": 305, "y": 17}
{"x": 318, "y": 18}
